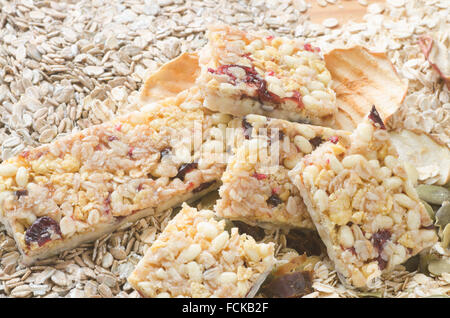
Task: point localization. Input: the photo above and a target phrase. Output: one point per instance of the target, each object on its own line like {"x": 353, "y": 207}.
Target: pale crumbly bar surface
{"x": 88, "y": 183}
{"x": 363, "y": 204}
{"x": 256, "y": 188}
{"x": 196, "y": 257}
{"x": 253, "y": 73}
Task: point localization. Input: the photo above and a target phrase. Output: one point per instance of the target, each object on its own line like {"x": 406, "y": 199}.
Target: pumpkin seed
{"x": 446, "y": 237}
{"x": 378, "y": 294}
{"x": 429, "y": 209}
{"x": 443, "y": 215}
{"x": 437, "y": 267}
{"x": 433, "y": 194}
{"x": 425, "y": 260}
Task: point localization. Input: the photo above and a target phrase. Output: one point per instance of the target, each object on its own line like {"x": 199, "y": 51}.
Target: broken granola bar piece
{"x": 256, "y": 188}
{"x": 363, "y": 204}
{"x": 196, "y": 257}
{"x": 86, "y": 184}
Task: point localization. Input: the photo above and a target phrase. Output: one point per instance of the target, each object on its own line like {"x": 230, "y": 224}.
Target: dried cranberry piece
{"x": 252, "y": 78}
{"x": 259, "y": 176}
{"x": 310, "y": 48}
{"x": 316, "y": 141}
{"x": 376, "y": 118}
{"x": 379, "y": 239}
{"x": 107, "y": 203}
{"x": 20, "y": 193}
{"x": 334, "y": 139}
{"x": 247, "y": 55}
{"x": 185, "y": 168}
{"x": 297, "y": 97}
{"x": 165, "y": 151}
{"x": 41, "y": 231}
{"x": 274, "y": 200}
{"x": 247, "y": 128}
{"x": 352, "y": 250}
{"x": 25, "y": 154}
{"x": 254, "y": 231}
{"x": 203, "y": 186}
{"x": 292, "y": 285}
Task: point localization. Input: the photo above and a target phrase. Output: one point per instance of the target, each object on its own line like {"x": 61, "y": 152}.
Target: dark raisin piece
{"x": 41, "y": 231}
{"x": 304, "y": 241}
{"x": 130, "y": 152}
{"x": 20, "y": 193}
{"x": 254, "y": 231}
{"x": 381, "y": 262}
{"x": 185, "y": 168}
{"x": 316, "y": 141}
{"x": 274, "y": 200}
{"x": 376, "y": 118}
{"x": 292, "y": 285}
{"x": 379, "y": 239}
{"x": 203, "y": 186}
{"x": 247, "y": 128}
{"x": 165, "y": 151}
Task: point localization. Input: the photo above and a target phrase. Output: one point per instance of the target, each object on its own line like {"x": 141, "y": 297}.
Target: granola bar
{"x": 196, "y": 257}
{"x": 88, "y": 183}
{"x": 256, "y": 188}
{"x": 363, "y": 204}
{"x": 251, "y": 73}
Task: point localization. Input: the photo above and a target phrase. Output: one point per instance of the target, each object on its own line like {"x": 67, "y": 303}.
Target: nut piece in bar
{"x": 253, "y": 73}
{"x": 256, "y": 187}
{"x": 86, "y": 184}
{"x": 363, "y": 204}
{"x": 196, "y": 257}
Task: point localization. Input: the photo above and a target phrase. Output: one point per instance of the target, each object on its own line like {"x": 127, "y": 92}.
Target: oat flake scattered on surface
{"x": 66, "y": 65}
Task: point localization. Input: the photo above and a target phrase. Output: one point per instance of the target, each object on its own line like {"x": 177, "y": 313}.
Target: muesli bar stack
{"x": 256, "y": 188}
{"x": 253, "y": 73}
{"x": 81, "y": 186}
{"x": 196, "y": 257}
{"x": 363, "y": 204}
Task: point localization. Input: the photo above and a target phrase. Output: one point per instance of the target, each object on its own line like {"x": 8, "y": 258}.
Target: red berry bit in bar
{"x": 196, "y": 257}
